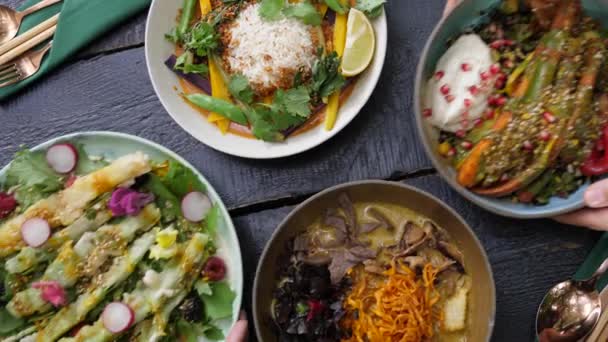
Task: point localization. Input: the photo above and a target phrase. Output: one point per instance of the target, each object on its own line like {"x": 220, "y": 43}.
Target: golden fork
{"x": 23, "y": 67}
{"x": 10, "y": 20}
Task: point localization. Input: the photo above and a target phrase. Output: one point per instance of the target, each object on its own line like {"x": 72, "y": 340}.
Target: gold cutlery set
{"x": 21, "y": 56}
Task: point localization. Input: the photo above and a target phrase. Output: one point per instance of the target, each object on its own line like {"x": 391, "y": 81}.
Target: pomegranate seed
{"x": 502, "y": 76}
{"x": 451, "y": 152}
{"x": 550, "y": 118}
{"x": 439, "y": 75}
{"x": 8, "y": 203}
{"x": 544, "y": 136}
{"x": 501, "y": 101}
{"x": 445, "y": 89}
{"x": 485, "y": 76}
{"x": 467, "y": 145}
{"x": 477, "y": 122}
{"x": 465, "y": 67}
{"x": 494, "y": 69}
{"x": 490, "y": 114}
{"x": 497, "y": 44}
{"x": 499, "y": 84}
{"x": 427, "y": 112}
{"x": 468, "y": 103}
{"x": 449, "y": 98}
{"x": 461, "y": 133}
{"x": 527, "y": 145}
{"x": 473, "y": 90}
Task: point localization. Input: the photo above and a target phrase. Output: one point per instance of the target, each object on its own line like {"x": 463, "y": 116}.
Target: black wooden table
{"x": 106, "y": 87}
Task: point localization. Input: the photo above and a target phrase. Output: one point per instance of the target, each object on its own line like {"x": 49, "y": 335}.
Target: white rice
{"x": 263, "y": 50}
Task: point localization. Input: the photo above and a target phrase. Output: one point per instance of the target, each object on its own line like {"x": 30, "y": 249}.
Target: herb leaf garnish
{"x": 305, "y": 12}
{"x": 241, "y": 90}
{"x": 326, "y": 77}
{"x": 185, "y": 63}
{"x": 371, "y": 8}
{"x": 271, "y": 9}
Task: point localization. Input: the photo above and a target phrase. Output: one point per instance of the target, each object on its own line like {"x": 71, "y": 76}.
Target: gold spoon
{"x": 570, "y": 310}
{"x": 10, "y": 20}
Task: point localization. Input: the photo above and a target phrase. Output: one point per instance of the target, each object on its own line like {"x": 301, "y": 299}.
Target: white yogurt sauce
{"x": 457, "y": 95}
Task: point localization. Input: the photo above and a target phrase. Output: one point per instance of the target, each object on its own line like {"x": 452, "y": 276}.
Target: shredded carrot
{"x": 400, "y": 306}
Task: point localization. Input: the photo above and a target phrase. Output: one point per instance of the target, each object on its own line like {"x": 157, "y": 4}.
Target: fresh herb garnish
{"x": 326, "y": 77}
{"x": 185, "y": 63}
{"x": 271, "y": 9}
{"x": 241, "y": 90}
{"x": 371, "y": 8}
{"x": 336, "y": 6}
{"x": 180, "y": 180}
{"x": 201, "y": 39}
{"x": 305, "y": 12}
{"x": 295, "y": 101}
{"x": 32, "y": 178}
{"x": 8, "y": 323}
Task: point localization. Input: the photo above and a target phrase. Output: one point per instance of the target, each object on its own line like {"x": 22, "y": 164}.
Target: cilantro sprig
{"x": 371, "y": 8}
{"x": 275, "y": 9}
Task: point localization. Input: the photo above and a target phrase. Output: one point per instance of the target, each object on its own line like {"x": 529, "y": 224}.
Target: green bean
{"x": 336, "y": 6}
{"x": 186, "y": 17}
{"x": 219, "y": 106}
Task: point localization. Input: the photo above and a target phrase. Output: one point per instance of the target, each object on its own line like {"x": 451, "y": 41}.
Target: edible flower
{"x": 52, "y": 292}
{"x": 315, "y": 308}
{"x": 8, "y": 203}
{"x": 215, "y": 269}
{"x": 597, "y": 162}
{"x": 125, "y": 201}
{"x": 165, "y": 246}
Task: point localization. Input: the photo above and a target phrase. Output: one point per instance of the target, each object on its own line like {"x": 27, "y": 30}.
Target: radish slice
{"x": 195, "y": 206}
{"x": 117, "y": 317}
{"x": 35, "y": 232}
{"x": 62, "y": 157}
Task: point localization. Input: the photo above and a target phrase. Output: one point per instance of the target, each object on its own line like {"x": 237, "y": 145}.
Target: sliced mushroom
{"x": 413, "y": 234}
{"x": 429, "y": 229}
{"x": 436, "y": 258}
{"x": 414, "y": 261}
{"x": 336, "y": 222}
{"x": 327, "y": 238}
{"x": 363, "y": 252}
{"x": 452, "y": 251}
{"x": 339, "y": 265}
{"x": 373, "y": 213}
{"x": 373, "y": 266}
{"x": 318, "y": 258}
{"x": 369, "y": 227}
{"x": 346, "y": 204}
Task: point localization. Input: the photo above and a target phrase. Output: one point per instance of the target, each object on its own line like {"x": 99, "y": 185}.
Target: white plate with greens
{"x": 266, "y": 115}
{"x": 106, "y": 236}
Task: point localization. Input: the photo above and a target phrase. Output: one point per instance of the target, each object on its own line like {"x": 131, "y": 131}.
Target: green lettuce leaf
{"x": 219, "y": 303}
{"x": 87, "y": 165}
{"x": 32, "y": 177}
{"x": 180, "y": 180}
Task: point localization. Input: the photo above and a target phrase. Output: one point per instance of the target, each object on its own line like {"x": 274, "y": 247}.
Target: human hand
{"x": 240, "y": 330}
{"x": 449, "y": 6}
{"x": 595, "y": 216}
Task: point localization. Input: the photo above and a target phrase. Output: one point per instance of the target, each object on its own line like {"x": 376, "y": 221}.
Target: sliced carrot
{"x": 467, "y": 174}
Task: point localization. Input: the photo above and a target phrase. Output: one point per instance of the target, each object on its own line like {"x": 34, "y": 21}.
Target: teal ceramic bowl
{"x": 471, "y": 12}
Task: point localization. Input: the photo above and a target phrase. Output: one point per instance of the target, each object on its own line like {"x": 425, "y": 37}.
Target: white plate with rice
{"x": 161, "y": 20}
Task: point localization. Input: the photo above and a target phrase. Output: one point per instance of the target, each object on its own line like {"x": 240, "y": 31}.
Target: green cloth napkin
{"x": 80, "y": 22}
{"x": 598, "y": 254}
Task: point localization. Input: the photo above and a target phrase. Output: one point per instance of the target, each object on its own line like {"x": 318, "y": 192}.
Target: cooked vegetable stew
{"x": 372, "y": 272}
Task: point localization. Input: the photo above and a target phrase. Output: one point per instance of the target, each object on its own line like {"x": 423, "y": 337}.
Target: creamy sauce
{"x": 458, "y": 92}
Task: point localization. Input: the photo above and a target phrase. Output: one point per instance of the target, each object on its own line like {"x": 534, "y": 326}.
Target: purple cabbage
{"x": 128, "y": 202}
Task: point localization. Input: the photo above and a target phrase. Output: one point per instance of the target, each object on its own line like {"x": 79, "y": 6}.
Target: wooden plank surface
{"x": 527, "y": 257}
{"x": 113, "y": 92}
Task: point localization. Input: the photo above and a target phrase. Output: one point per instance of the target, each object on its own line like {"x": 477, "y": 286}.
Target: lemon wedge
{"x": 360, "y": 44}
